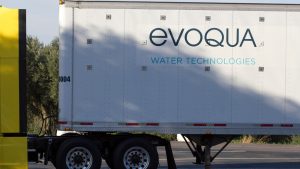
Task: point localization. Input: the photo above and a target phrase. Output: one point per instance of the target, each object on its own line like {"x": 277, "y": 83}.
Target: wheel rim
{"x": 79, "y": 158}
{"x": 136, "y": 158}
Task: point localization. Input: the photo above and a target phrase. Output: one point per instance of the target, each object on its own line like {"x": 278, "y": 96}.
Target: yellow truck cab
{"x": 13, "y": 140}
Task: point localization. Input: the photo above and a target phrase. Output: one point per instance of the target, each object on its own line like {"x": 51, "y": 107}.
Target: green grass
{"x": 295, "y": 140}
{"x": 170, "y": 137}
{"x": 247, "y": 139}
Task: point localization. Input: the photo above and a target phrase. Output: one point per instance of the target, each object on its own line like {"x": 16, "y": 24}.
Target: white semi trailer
{"x": 209, "y": 71}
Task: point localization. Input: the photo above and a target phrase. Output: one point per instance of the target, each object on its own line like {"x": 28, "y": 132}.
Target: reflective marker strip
{"x": 287, "y": 125}
{"x": 62, "y": 122}
{"x": 280, "y": 125}
{"x": 152, "y": 124}
{"x": 170, "y": 125}
{"x": 220, "y": 125}
{"x": 267, "y": 125}
{"x": 199, "y": 125}
{"x": 132, "y": 124}
{"x": 86, "y": 123}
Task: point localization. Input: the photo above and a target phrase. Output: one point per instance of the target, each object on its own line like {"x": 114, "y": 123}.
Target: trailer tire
{"x": 135, "y": 153}
{"x": 53, "y": 161}
{"x": 109, "y": 159}
{"x": 78, "y": 152}
{"x": 110, "y": 163}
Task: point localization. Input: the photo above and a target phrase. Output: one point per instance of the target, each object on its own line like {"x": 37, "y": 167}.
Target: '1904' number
{"x": 64, "y": 79}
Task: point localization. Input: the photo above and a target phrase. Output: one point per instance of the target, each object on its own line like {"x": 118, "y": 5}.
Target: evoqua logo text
{"x": 213, "y": 37}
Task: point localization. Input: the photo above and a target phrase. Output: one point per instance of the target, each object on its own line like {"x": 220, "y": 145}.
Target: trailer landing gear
{"x": 170, "y": 157}
{"x": 200, "y": 146}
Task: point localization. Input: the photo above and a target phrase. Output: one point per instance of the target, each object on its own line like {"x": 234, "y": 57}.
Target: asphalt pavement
{"x": 235, "y": 156}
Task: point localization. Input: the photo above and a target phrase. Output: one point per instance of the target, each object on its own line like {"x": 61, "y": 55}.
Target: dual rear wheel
{"x": 78, "y": 153}
{"x": 133, "y": 153}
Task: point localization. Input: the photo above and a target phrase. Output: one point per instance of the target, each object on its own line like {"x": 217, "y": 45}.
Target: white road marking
{"x": 275, "y": 158}
{"x": 214, "y": 151}
{"x": 231, "y": 151}
{"x": 229, "y": 158}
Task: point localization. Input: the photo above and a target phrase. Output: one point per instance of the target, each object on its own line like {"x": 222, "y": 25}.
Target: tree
{"x": 42, "y": 85}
